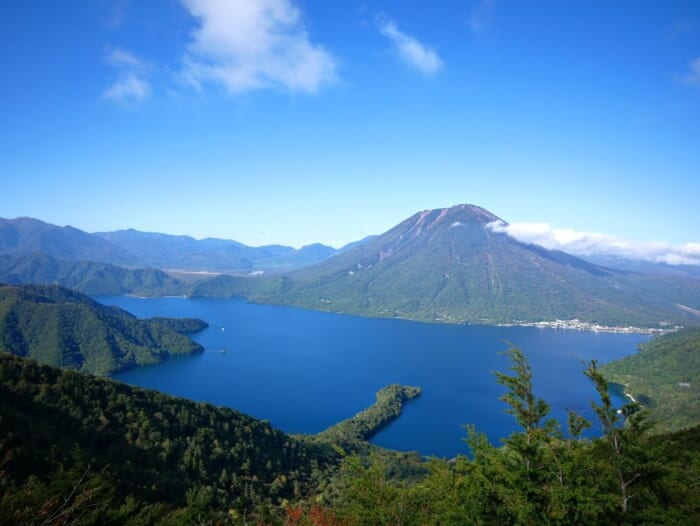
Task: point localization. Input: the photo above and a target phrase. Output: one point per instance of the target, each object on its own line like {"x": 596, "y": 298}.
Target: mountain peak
{"x": 444, "y": 218}
{"x": 447, "y": 265}
{"x": 473, "y": 212}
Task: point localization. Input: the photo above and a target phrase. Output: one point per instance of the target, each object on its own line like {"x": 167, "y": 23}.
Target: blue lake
{"x": 304, "y": 370}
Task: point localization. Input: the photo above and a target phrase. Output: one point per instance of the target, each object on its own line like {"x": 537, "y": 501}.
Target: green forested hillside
{"x": 181, "y": 325}
{"x": 75, "y": 449}
{"x": 27, "y": 236}
{"x": 445, "y": 265}
{"x": 541, "y": 474}
{"x": 64, "y": 328}
{"x": 224, "y": 286}
{"x": 364, "y": 425}
{"x": 121, "y": 454}
{"x": 664, "y": 376}
{"x": 184, "y": 252}
{"x": 448, "y": 265}
{"x": 86, "y": 276}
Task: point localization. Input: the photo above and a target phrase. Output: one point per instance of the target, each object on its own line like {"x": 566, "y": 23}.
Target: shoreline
{"x": 573, "y": 324}
{"x": 591, "y": 327}
{"x": 629, "y": 395}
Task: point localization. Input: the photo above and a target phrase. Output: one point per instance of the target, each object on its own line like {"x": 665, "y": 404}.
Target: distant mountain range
{"x": 644, "y": 267}
{"x": 184, "y": 252}
{"x": 445, "y": 265}
{"x": 26, "y": 236}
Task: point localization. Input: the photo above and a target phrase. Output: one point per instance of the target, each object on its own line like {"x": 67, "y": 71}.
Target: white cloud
{"x": 411, "y": 51}
{"x": 592, "y": 243}
{"x": 131, "y": 84}
{"x": 128, "y": 88}
{"x": 252, "y": 44}
{"x": 481, "y": 16}
{"x": 694, "y": 76}
{"x": 121, "y": 58}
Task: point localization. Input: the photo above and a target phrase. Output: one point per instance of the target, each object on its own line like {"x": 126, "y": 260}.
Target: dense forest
{"x": 121, "y": 454}
{"x": 664, "y": 376}
{"x": 364, "y": 425}
{"x": 64, "y": 328}
{"x": 89, "y": 277}
{"x": 75, "y": 449}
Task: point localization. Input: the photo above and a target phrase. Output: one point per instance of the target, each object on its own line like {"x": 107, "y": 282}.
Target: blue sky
{"x": 289, "y": 121}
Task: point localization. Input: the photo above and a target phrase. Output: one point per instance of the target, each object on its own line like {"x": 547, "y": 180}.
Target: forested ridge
{"x": 364, "y": 425}
{"x": 89, "y": 277}
{"x": 64, "y": 328}
{"x": 664, "y": 376}
{"x": 77, "y": 449}
{"x": 138, "y": 455}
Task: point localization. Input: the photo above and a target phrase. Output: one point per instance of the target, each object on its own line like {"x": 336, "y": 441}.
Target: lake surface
{"x": 306, "y": 370}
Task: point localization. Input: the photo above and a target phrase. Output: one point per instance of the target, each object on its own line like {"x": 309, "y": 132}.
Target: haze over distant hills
{"x": 184, "y": 252}
{"x": 644, "y": 267}
{"x": 26, "y": 236}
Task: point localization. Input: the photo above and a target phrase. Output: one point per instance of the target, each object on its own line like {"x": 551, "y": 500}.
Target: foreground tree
{"x": 539, "y": 476}
{"x": 625, "y": 455}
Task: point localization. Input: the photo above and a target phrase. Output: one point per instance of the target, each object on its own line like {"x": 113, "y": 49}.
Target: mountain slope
{"x": 448, "y": 265}
{"x": 30, "y": 237}
{"x": 184, "y": 252}
{"x": 664, "y": 376}
{"x": 63, "y": 328}
{"x": 25, "y": 235}
{"x": 86, "y": 276}
{"x": 143, "y": 448}
{"x": 644, "y": 267}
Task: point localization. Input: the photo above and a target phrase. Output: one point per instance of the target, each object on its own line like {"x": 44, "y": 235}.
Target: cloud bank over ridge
{"x": 596, "y": 244}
